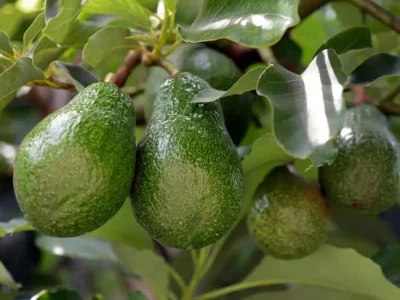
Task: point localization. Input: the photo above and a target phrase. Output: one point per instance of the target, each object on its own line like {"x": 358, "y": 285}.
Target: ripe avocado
{"x": 188, "y": 188}
{"x": 365, "y": 174}
{"x": 289, "y": 218}
{"x": 73, "y": 171}
{"x": 220, "y": 72}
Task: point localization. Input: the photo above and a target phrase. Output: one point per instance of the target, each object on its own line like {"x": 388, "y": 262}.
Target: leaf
{"x": 58, "y": 294}
{"x": 79, "y": 76}
{"x": 252, "y": 23}
{"x": 170, "y": 4}
{"x": 130, "y": 10}
{"x": 14, "y": 225}
{"x": 5, "y": 45}
{"x": 45, "y": 52}
{"x": 137, "y": 295}
{"x": 308, "y": 108}
{"x": 80, "y": 247}
{"x": 329, "y": 267}
{"x": 389, "y": 260}
{"x": 375, "y": 67}
{"x": 247, "y": 82}
{"x": 105, "y": 41}
{"x": 123, "y": 228}
{"x": 6, "y": 278}
{"x": 11, "y": 80}
{"x": 60, "y": 15}
{"x": 265, "y": 154}
{"x": 145, "y": 263}
{"x": 349, "y": 39}
{"x": 80, "y": 33}
{"x": 33, "y": 30}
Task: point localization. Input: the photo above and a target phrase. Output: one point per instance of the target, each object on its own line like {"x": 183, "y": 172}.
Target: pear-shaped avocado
{"x": 188, "y": 187}
{"x": 220, "y": 72}
{"x": 289, "y": 218}
{"x": 74, "y": 170}
{"x": 365, "y": 174}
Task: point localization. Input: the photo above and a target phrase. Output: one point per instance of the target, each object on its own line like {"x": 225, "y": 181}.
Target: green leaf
{"x": 79, "y": 76}
{"x": 11, "y": 18}
{"x": 33, "y": 30}
{"x": 129, "y": 10}
{"x": 60, "y": 15}
{"x": 308, "y": 108}
{"x": 247, "y": 82}
{"x": 104, "y": 42}
{"x": 22, "y": 72}
{"x": 170, "y": 4}
{"x": 14, "y": 225}
{"x": 375, "y": 67}
{"x": 58, "y": 294}
{"x": 5, "y": 45}
{"x": 80, "y": 247}
{"x": 145, "y": 263}
{"x": 80, "y": 33}
{"x": 389, "y": 260}
{"x": 252, "y": 23}
{"x": 123, "y": 228}
{"x": 349, "y": 39}
{"x": 333, "y": 268}
{"x": 264, "y": 156}
{"x": 137, "y": 295}
{"x": 46, "y": 51}
{"x": 6, "y": 278}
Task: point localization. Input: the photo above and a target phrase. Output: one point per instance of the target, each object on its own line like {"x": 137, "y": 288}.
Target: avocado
{"x": 365, "y": 174}
{"x": 289, "y": 218}
{"x": 188, "y": 188}
{"x": 73, "y": 171}
{"x": 220, "y": 72}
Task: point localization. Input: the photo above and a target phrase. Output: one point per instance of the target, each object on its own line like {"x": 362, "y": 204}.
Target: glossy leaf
{"x": 5, "y": 45}
{"x": 33, "y": 30}
{"x": 78, "y": 75}
{"x": 14, "y": 225}
{"x": 252, "y": 23}
{"x": 247, "y": 82}
{"x": 375, "y": 67}
{"x": 308, "y": 108}
{"x": 149, "y": 266}
{"x": 130, "y": 10}
{"x": 58, "y": 294}
{"x": 350, "y": 39}
{"x": 331, "y": 268}
{"x": 80, "y": 247}
{"x": 6, "y": 278}
{"x": 46, "y": 51}
{"x": 60, "y": 15}
{"x": 11, "y": 80}
{"x": 104, "y": 42}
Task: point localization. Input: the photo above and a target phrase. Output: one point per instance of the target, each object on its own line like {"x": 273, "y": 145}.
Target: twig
{"x": 167, "y": 66}
{"x": 378, "y": 12}
{"x": 132, "y": 60}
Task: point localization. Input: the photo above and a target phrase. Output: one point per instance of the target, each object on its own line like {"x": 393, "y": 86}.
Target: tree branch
{"x": 378, "y": 12}
{"x": 132, "y": 60}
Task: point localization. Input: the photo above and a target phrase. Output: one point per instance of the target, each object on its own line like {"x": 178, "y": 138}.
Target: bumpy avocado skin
{"x": 74, "y": 170}
{"x": 188, "y": 188}
{"x": 207, "y": 63}
{"x": 289, "y": 218}
{"x": 365, "y": 174}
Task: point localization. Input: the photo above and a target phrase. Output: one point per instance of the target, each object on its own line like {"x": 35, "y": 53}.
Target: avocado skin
{"x": 73, "y": 171}
{"x": 188, "y": 188}
{"x": 365, "y": 174}
{"x": 289, "y": 218}
{"x": 206, "y": 63}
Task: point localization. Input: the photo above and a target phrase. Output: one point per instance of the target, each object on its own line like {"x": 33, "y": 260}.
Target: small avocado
{"x": 73, "y": 171}
{"x": 220, "y": 72}
{"x": 188, "y": 188}
{"x": 365, "y": 174}
{"x": 289, "y": 218}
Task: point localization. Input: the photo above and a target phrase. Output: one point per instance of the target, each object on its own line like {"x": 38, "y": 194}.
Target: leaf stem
{"x": 177, "y": 277}
{"x": 172, "y": 48}
{"x": 163, "y": 36}
{"x": 53, "y": 84}
{"x": 378, "y": 12}
{"x": 167, "y": 66}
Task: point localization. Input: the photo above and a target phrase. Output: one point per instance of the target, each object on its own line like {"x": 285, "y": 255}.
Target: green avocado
{"x": 365, "y": 174}
{"x": 289, "y": 218}
{"x": 220, "y": 72}
{"x": 73, "y": 171}
{"x": 188, "y": 188}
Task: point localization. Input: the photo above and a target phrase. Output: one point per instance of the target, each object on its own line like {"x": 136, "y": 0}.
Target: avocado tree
{"x": 215, "y": 149}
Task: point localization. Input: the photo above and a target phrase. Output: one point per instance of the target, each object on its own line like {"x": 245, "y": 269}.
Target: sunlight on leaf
{"x": 252, "y": 23}
{"x": 33, "y": 30}
{"x": 14, "y": 225}
{"x": 308, "y": 108}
